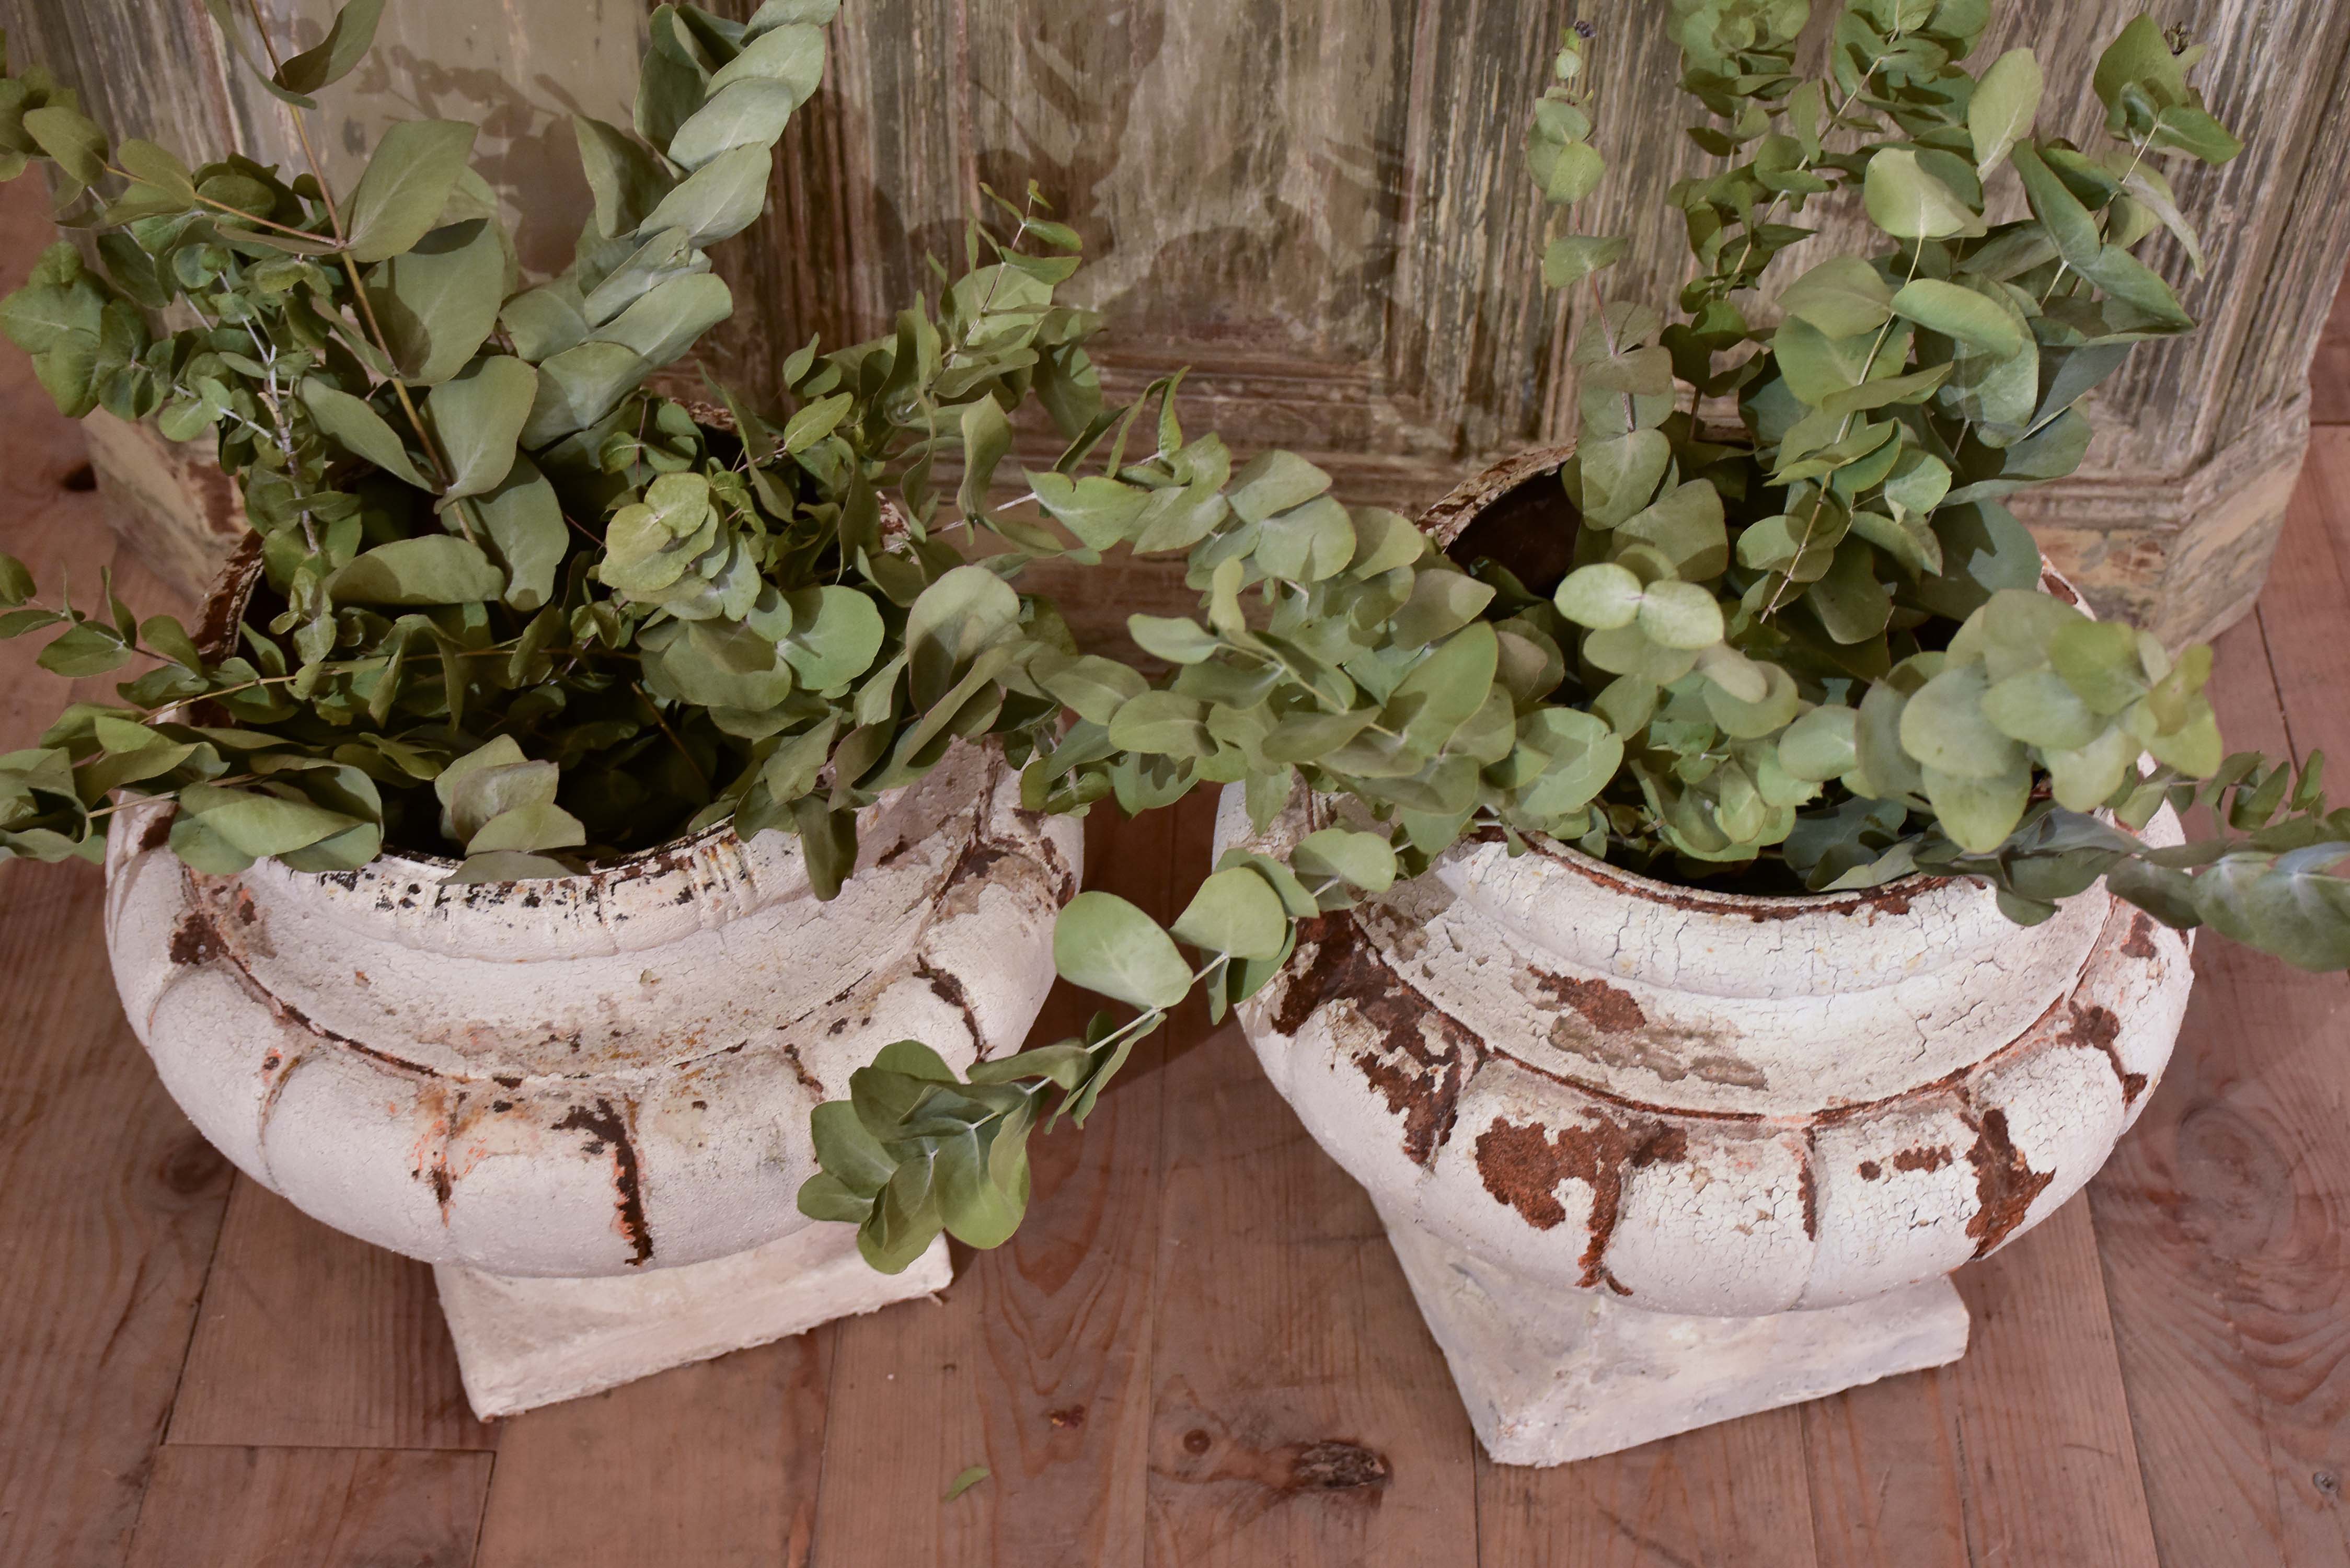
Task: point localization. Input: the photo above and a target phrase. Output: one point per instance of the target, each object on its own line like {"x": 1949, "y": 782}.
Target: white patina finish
{"x": 532, "y": 1342}
{"x": 1613, "y": 1124}
{"x": 596, "y": 1076}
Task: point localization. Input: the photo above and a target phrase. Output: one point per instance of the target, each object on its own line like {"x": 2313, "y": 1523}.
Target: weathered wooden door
{"x": 1319, "y": 206}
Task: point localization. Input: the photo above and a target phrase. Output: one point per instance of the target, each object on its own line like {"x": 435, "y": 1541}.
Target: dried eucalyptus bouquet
{"x": 1812, "y": 651}
{"x": 514, "y": 605}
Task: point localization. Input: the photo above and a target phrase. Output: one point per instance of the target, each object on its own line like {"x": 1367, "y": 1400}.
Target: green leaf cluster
{"x": 1799, "y": 642}
{"x": 514, "y": 605}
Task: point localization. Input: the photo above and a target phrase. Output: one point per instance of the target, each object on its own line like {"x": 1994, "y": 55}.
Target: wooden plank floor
{"x": 1200, "y": 1350}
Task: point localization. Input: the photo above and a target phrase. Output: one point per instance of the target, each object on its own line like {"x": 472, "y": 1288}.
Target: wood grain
{"x": 310, "y": 1507}
{"x": 1037, "y": 1365}
{"x": 312, "y": 1338}
{"x": 113, "y": 1203}
{"x": 2329, "y": 372}
{"x": 1887, "y": 1487}
{"x": 1731, "y": 1496}
{"x": 1303, "y": 1416}
{"x": 2052, "y": 1471}
{"x": 713, "y": 1464}
{"x": 2221, "y": 1217}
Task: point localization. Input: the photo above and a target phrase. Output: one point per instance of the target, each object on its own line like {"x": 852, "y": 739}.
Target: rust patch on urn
{"x": 606, "y": 1129}
{"x": 1418, "y": 1056}
{"x": 1927, "y": 1159}
{"x": 1870, "y": 1170}
{"x": 2098, "y": 1029}
{"x": 1610, "y": 1009}
{"x": 808, "y": 1080}
{"x": 2004, "y": 1184}
{"x": 158, "y": 831}
{"x": 2140, "y": 944}
{"x": 948, "y": 989}
{"x": 1522, "y": 1166}
{"x": 194, "y": 941}
{"x": 1672, "y": 1054}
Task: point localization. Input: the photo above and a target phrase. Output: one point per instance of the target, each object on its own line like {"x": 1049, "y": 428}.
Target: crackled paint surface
{"x": 586, "y": 1076}
{"x": 1707, "y": 1104}
{"x": 1653, "y": 1159}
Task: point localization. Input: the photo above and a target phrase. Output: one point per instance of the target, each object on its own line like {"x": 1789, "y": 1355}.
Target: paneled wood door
{"x": 1318, "y": 206}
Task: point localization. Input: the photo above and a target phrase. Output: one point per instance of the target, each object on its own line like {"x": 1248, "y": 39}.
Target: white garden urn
{"x": 585, "y": 1099}
{"x": 1653, "y": 1158}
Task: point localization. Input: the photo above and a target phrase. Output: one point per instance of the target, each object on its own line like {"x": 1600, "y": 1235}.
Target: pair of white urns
{"x": 1650, "y": 1158}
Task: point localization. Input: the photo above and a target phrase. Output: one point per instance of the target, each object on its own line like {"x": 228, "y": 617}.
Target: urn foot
{"x": 1552, "y": 1376}
{"x": 523, "y": 1343}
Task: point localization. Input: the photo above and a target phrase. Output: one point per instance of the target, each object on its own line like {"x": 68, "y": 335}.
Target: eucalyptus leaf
{"x": 398, "y": 200}
{"x": 1104, "y": 944}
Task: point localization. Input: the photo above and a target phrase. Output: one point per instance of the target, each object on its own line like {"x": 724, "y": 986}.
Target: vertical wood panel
{"x": 2222, "y": 1215}
{"x": 310, "y": 1507}
{"x": 1037, "y": 1362}
{"x": 2052, "y": 1469}
{"x": 714, "y": 1464}
{"x": 312, "y": 1338}
{"x": 113, "y": 1202}
{"x": 1304, "y": 1417}
{"x": 1887, "y": 1487}
{"x": 1731, "y": 1496}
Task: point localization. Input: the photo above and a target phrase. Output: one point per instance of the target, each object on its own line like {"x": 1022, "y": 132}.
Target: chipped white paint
{"x": 1653, "y": 1158}
{"x": 532, "y": 1342}
{"x": 595, "y": 1075}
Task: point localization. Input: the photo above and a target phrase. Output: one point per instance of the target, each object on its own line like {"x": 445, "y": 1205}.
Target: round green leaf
{"x": 1750, "y": 720}
{"x": 1819, "y": 746}
{"x": 1602, "y": 596}
{"x": 1363, "y": 860}
{"x": 1106, "y": 944}
{"x": 1944, "y": 727}
{"x": 1956, "y": 311}
{"x": 1680, "y": 615}
{"x": 1909, "y": 203}
{"x": 1235, "y": 912}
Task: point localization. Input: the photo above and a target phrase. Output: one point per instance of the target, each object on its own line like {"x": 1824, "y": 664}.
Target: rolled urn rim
{"x": 582, "y": 1111}
{"x": 1588, "y": 1128}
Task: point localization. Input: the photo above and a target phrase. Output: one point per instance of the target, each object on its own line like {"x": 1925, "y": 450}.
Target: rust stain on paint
{"x": 194, "y": 941}
{"x": 608, "y": 1130}
{"x": 1411, "y": 1051}
{"x": 1523, "y": 1165}
{"x": 1921, "y": 1158}
{"x": 158, "y": 831}
{"x": 2005, "y": 1184}
{"x": 2140, "y": 944}
{"x": 1610, "y": 1009}
{"x": 2098, "y": 1029}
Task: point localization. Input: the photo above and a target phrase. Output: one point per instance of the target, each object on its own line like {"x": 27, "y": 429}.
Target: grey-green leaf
{"x": 2005, "y": 102}
{"x": 1237, "y": 912}
{"x": 431, "y": 569}
{"x": 351, "y": 424}
{"x": 399, "y": 199}
{"x": 478, "y": 416}
{"x": 1106, "y": 944}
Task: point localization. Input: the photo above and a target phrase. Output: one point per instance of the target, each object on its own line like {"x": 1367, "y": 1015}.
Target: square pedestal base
{"x": 1552, "y": 1376}
{"x": 522, "y": 1343}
